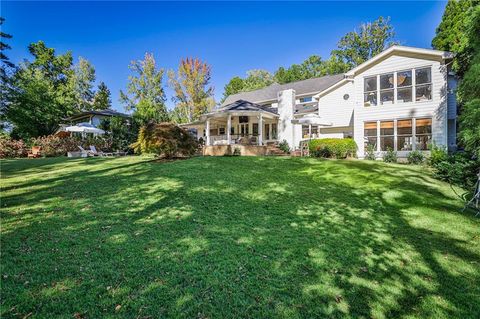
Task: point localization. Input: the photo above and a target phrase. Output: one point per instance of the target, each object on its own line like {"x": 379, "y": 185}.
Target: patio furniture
{"x": 36, "y": 152}
{"x": 85, "y": 153}
{"x": 93, "y": 149}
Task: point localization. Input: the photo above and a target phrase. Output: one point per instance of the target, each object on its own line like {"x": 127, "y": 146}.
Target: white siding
{"x": 435, "y": 108}
{"x": 333, "y": 108}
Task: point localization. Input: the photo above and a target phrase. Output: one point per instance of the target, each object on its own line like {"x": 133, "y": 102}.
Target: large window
{"x": 305, "y": 99}
{"x": 370, "y": 89}
{"x": 255, "y": 129}
{"x": 423, "y": 84}
{"x": 370, "y": 133}
{"x": 274, "y": 131}
{"x": 404, "y": 135}
{"x": 386, "y": 89}
{"x": 404, "y": 86}
{"x": 423, "y": 133}
{"x": 387, "y": 135}
{"x": 403, "y": 139}
{"x": 401, "y": 84}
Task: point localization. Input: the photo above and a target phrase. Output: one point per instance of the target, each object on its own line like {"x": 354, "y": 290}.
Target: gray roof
{"x": 314, "y": 85}
{"x": 247, "y": 106}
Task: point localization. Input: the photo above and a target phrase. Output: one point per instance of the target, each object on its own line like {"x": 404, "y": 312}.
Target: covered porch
{"x": 239, "y": 123}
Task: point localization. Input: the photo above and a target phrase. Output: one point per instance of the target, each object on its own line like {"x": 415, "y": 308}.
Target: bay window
{"x": 404, "y": 135}
{"x": 370, "y": 134}
{"x": 423, "y": 84}
{"x": 386, "y": 89}
{"x": 370, "y": 91}
{"x": 386, "y": 135}
{"x": 423, "y": 133}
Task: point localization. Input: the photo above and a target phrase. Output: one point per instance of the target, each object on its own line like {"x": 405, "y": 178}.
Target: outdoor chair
{"x": 36, "y": 152}
{"x": 85, "y": 152}
{"x": 93, "y": 149}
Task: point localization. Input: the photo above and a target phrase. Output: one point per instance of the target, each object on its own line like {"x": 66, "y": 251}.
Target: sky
{"x": 233, "y": 37}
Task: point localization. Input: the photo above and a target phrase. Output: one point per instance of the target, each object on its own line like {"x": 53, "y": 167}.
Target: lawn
{"x": 231, "y": 237}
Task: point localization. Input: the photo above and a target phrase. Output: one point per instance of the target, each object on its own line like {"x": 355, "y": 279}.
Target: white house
{"x": 403, "y": 99}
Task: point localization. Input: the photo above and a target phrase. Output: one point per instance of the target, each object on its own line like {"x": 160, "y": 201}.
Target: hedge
{"x": 333, "y": 147}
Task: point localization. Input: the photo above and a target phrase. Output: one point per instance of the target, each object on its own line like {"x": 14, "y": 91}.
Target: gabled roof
{"x": 400, "y": 49}
{"x": 106, "y": 112}
{"x": 269, "y": 93}
{"x": 245, "y": 106}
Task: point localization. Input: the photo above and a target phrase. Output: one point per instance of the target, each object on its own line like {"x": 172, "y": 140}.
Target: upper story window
{"x": 398, "y": 87}
{"x": 370, "y": 91}
{"x": 306, "y": 99}
{"x": 423, "y": 84}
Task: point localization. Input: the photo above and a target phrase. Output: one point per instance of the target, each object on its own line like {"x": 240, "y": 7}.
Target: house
{"x": 87, "y": 120}
{"x": 403, "y": 98}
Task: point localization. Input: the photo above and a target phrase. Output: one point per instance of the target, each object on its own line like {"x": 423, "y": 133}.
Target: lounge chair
{"x": 36, "y": 152}
{"x": 94, "y": 151}
{"x": 85, "y": 152}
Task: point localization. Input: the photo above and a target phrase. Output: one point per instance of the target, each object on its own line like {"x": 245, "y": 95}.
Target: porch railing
{"x": 234, "y": 139}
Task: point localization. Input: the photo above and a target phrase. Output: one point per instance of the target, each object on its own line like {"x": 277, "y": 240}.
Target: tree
{"x": 193, "y": 93}
{"x": 4, "y": 46}
{"x": 234, "y": 86}
{"x": 102, "y": 100}
{"x": 5, "y": 70}
{"x": 40, "y": 93}
{"x": 257, "y": 79}
{"x": 82, "y": 81}
{"x": 459, "y": 32}
{"x": 145, "y": 94}
{"x": 357, "y": 47}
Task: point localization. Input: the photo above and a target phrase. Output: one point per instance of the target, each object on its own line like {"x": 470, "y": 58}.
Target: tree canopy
{"x": 145, "y": 93}
{"x": 193, "y": 92}
{"x": 102, "y": 100}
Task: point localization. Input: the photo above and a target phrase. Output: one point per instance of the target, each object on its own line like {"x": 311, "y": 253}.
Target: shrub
{"x": 166, "y": 140}
{"x": 237, "y": 152}
{"x": 10, "y": 148}
{"x": 459, "y": 169}
{"x": 333, "y": 147}
{"x": 415, "y": 157}
{"x": 59, "y": 146}
{"x": 437, "y": 154}
{"x": 121, "y": 131}
{"x": 283, "y": 145}
{"x": 370, "y": 153}
{"x": 390, "y": 156}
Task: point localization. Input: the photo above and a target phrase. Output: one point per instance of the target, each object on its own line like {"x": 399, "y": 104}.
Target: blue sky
{"x": 232, "y": 37}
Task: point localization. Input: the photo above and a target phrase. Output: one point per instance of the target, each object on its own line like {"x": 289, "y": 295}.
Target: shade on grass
{"x": 230, "y": 237}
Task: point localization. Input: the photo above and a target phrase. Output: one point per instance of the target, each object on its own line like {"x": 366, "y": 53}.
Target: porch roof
{"x": 243, "y": 106}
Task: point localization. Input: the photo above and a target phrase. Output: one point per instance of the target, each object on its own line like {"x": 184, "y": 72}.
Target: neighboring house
{"x": 94, "y": 117}
{"x": 403, "y": 99}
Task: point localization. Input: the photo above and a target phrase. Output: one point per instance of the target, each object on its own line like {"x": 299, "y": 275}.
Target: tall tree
{"x": 459, "y": 32}
{"x": 102, "y": 100}
{"x": 145, "y": 93}
{"x": 257, "y": 79}
{"x": 372, "y": 38}
{"x": 193, "y": 92}
{"x": 82, "y": 81}
{"x": 5, "y": 69}
{"x": 40, "y": 95}
{"x": 235, "y": 85}
{"x": 3, "y": 47}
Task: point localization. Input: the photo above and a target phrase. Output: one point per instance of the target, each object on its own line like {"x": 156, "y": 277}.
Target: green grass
{"x": 232, "y": 237}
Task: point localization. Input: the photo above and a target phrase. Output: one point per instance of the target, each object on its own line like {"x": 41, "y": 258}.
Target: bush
{"x": 121, "y": 131}
{"x": 390, "y": 156}
{"x": 284, "y": 146}
{"x": 370, "y": 153}
{"x": 437, "y": 154}
{"x": 59, "y": 146}
{"x": 166, "y": 140}
{"x": 459, "y": 169}
{"x": 415, "y": 157}
{"x": 10, "y": 148}
{"x": 333, "y": 147}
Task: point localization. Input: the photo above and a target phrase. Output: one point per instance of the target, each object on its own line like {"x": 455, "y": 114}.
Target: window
{"x": 370, "y": 133}
{"x": 404, "y": 86}
{"x": 386, "y": 135}
{"x": 305, "y": 130}
{"x": 255, "y": 129}
{"x": 274, "y": 131}
{"x": 243, "y": 119}
{"x": 404, "y": 135}
{"x": 386, "y": 89}
{"x": 423, "y": 84}
{"x": 221, "y": 131}
{"x": 306, "y": 99}
{"x": 370, "y": 91}
{"x": 423, "y": 133}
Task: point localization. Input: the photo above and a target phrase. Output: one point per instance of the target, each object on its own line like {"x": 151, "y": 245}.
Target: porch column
{"x": 207, "y": 132}
{"x": 310, "y": 131}
{"x": 260, "y": 130}
{"x": 229, "y": 129}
